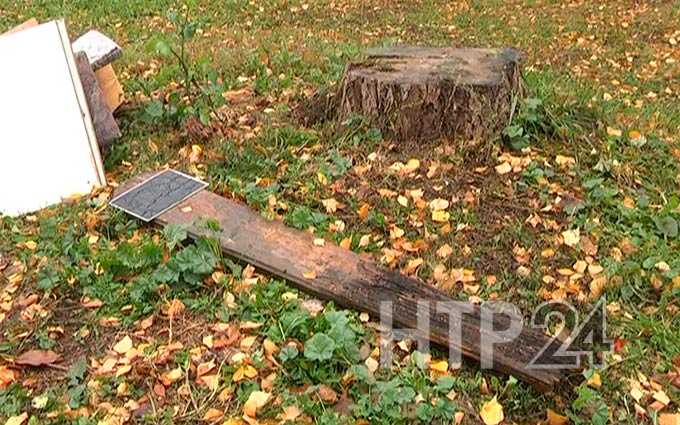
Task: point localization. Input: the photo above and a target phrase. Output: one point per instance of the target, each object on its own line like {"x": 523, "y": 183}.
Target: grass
{"x": 603, "y": 73}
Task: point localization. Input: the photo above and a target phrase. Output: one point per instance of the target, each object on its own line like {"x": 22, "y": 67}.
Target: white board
{"x": 100, "y": 49}
{"x": 48, "y": 150}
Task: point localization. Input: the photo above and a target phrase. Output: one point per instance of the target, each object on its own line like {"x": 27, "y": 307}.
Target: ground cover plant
{"x": 104, "y": 320}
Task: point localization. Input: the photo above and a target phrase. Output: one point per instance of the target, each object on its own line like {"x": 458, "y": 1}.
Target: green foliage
{"x": 302, "y": 217}
{"x": 174, "y": 234}
{"x": 589, "y": 404}
{"x": 77, "y": 387}
{"x": 320, "y": 347}
{"x": 13, "y": 400}
{"x": 202, "y": 86}
{"x": 527, "y": 125}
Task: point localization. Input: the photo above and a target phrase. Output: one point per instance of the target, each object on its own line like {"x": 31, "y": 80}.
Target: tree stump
{"x": 422, "y": 93}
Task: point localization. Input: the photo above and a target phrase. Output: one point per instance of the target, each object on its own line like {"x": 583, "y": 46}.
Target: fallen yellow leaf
{"x": 556, "y": 419}
{"x": 123, "y": 346}
{"x": 245, "y": 371}
{"x": 439, "y": 204}
{"x": 256, "y": 400}
{"x": 571, "y": 237}
{"x": 171, "y": 376}
{"x": 440, "y": 216}
{"x": 7, "y": 377}
{"x": 371, "y": 364}
{"x": 492, "y": 412}
{"x": 503, "y": 168}
{"x": 330, "y": 204}
{"x": 213, "y": 415}
{"x": 17, "y": 420}
{"x": 363, "y": 211}
{"x": 441, "y": 366}
{"x": 595, "y": 380}
{"x": 614, "y": 132}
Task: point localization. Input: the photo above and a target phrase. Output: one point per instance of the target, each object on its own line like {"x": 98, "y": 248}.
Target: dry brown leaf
{"x": 327, "y": 394}
{"x": 270, "y": 348}
{"x": 371, "y": 364}
{"x": 175, "y": 307}
{"x": 210, "y": 381}
{"x": 171, "y": 376}
{"x": 213, "y": 415}
{"x": 88, "y": 302}
{"x": 159, "y": 390}
{"x": 7, "y": 377}
{"x": 205, "y": 367}
{"x": 614, "y": 132}
{"x": 444, "y": 251}
{"x": 290, "y": 413}
{"x": 363, "y": 211}
{"x": 37, "y": 358}
{"x": 439, "y": 204}
{"x": 669, "y": 419}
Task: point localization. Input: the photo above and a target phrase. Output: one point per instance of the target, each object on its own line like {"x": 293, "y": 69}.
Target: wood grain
{"x": 351, "y": 280}
{"x": 108, "y": 81}
{"x": 105, "y": 126}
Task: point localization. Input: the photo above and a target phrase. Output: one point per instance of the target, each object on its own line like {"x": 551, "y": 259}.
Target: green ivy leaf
{"x": 320, "y": 347}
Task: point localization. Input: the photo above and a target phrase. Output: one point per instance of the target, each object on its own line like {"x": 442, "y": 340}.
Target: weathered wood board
{"x": 105, "y": 126}
{"x": 349, "y": 279}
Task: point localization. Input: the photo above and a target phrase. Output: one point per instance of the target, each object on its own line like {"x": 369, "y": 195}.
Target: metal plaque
{"x": 158, "y": 194}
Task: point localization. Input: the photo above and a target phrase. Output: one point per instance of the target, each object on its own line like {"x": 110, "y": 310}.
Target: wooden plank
{"x": 105, "y": 126}
{"x": 350, "y": 280}
{"x": 108, "y": 81}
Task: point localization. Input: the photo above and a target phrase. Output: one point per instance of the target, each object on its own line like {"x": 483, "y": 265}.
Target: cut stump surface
{"x": 424, "y": 93}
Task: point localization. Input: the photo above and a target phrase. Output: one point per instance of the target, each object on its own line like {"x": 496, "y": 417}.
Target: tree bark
{"x": 421, "y": 93}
